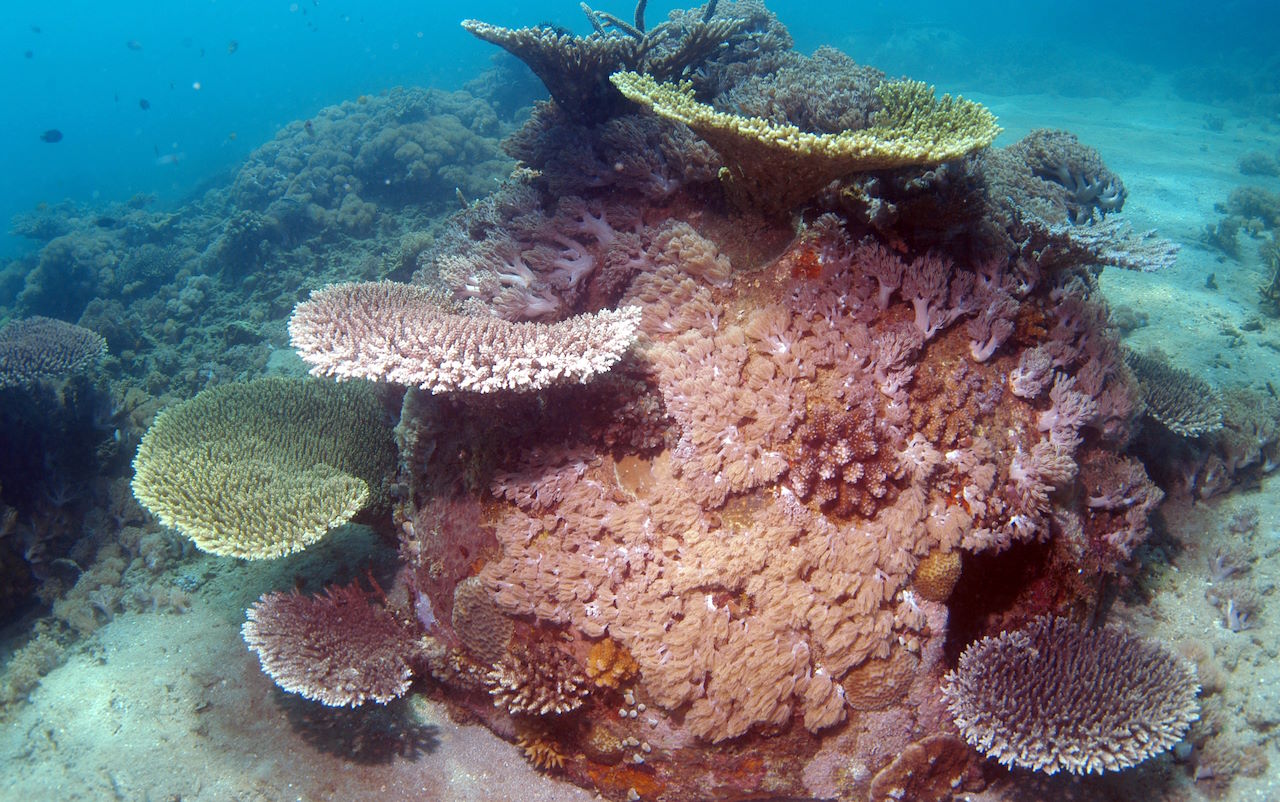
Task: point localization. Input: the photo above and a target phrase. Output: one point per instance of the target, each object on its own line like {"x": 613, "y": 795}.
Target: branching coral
{"x": 264, "y": 468}
{"x": 576, "y": 69}
{"x": 1088, "y": 188}
{"x": 339, "y": 648}
{"x": 775, "y": 167}
{"x": 41, "y": 348}
{"x": 405, "y": 334}
{"x": 1055, "y": 696}
{"x": 1180, "y": 401}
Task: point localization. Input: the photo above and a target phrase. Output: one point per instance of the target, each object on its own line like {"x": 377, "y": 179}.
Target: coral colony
{"x": 710, "y": 414}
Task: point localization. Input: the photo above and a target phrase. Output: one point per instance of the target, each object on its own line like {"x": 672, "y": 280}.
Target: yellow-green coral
{"x": 775, "y": 167}
{"x": 264, "y": 468}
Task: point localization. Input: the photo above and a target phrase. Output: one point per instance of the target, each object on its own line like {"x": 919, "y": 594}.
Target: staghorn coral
{"x": 574, "y": 69}
{"x": 39, "y": 349}
{"x": 402, "y": 333}
{"x": 265, "y": 468}
{"x": 1178, "y": 400}
{"x": 338, "y": 648}
{"x": 1109, "y": 242}
{"x": 772, "y": 167}
{"x": 1055, "y": 696}
{"x": 1057, "y": 225}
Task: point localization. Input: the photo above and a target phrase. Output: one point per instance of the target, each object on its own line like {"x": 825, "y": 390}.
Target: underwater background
{"x": 151, "y": 157}
{"x": 260, "y": 66}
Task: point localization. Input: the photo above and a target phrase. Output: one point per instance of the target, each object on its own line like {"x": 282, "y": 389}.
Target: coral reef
{"x": 338, "y": 168}
{"x": 702, "y": 484}
{"x": 746, "y": 533}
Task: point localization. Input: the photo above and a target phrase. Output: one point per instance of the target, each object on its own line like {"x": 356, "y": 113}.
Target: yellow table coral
{"x": 264, "y": 468}
{"x": 774, "y": 168}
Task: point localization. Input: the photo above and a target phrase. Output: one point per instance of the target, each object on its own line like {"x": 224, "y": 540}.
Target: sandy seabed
{"x": 174, "y": 707}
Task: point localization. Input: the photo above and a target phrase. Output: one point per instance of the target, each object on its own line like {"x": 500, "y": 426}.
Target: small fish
{"x": 133, "y": 44}
{"x": 36, "y": 29}
{"x": 310, "y": 129}
{"x": 28, "y": 54}
{"x": 232, "y": 136}
{"x": 169, "y": 158}
{"x": 232, "y": 46}
{"x": 51, "y": 136}
{"x": 144, "y": 104}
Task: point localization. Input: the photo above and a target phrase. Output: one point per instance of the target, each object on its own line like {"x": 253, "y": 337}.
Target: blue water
{"x": 84, "y": 68}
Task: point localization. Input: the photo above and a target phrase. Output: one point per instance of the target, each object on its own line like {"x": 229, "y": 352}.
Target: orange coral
{"x": 610, "y": 664}
{"x": 615, "y": 781}
{"x": 541, "y": 751}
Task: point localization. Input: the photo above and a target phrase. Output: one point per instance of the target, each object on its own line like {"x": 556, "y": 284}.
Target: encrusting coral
{"x": 267, "y": 467}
